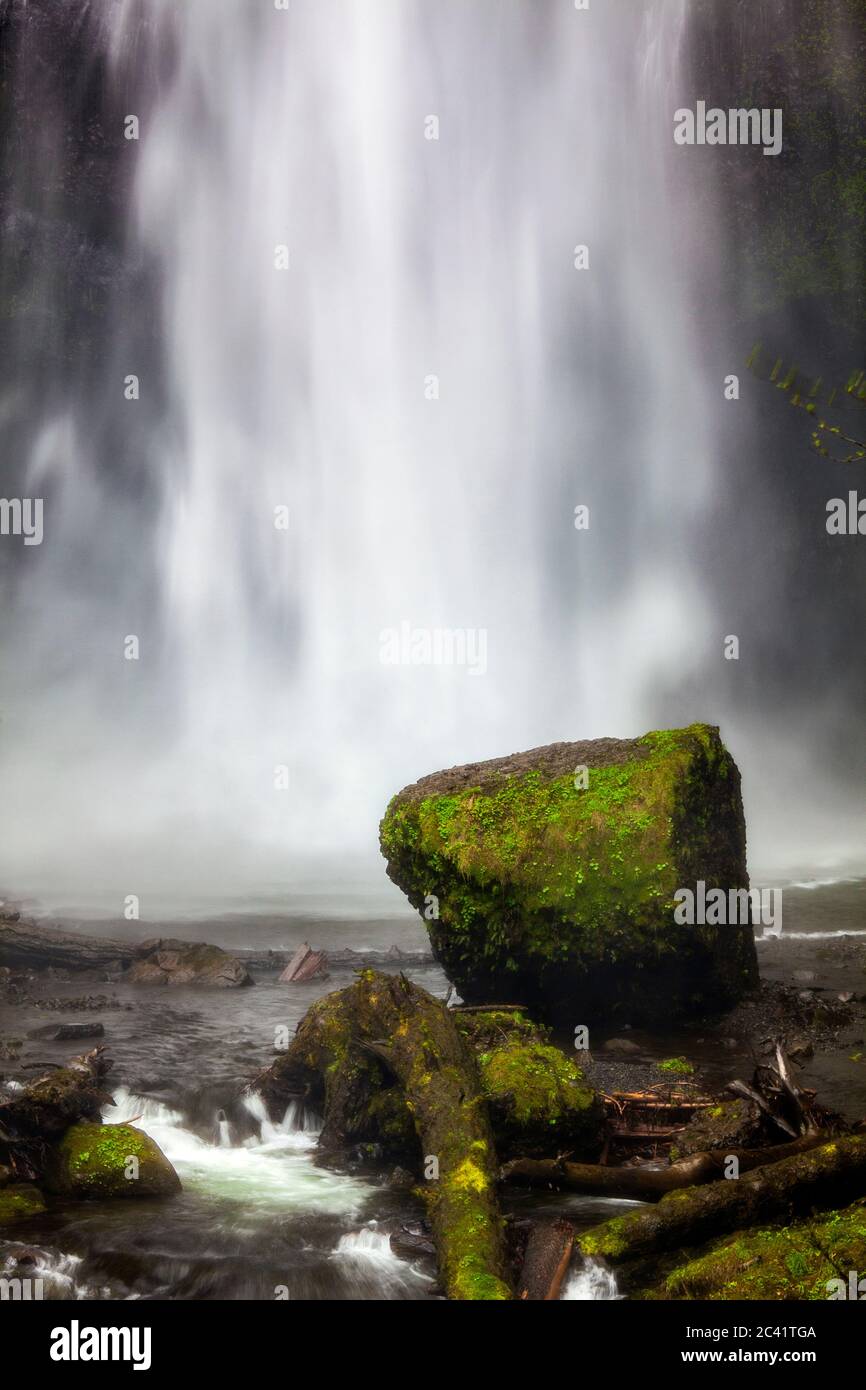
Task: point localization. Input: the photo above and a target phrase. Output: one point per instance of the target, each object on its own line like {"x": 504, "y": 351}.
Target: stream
{"x": 258, "y": 1217}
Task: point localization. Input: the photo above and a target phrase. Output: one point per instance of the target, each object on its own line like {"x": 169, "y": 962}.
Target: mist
{"x": 373, "y": 387}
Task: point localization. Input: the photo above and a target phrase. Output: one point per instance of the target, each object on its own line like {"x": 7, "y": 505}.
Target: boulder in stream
{"x": 169, "y": 962}
{"x": 100, "y": 1161}
{"x": 550, "y": 876}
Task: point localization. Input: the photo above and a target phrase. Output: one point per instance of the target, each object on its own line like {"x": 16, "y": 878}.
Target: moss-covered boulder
{"x": 19, "y": 1201}
{"x": 536, "y": 887}
{"x": 540, "y": 1102}
{"x": 102, "y": 1161}
{"x": 808, "y": 1260}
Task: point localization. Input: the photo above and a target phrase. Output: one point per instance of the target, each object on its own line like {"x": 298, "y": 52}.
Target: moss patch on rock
{"x": 101, "y": 1161}
{"x": 539, "y": 1102}
{"x": 19, "y": 1201}
{"x": 563, "y": 896}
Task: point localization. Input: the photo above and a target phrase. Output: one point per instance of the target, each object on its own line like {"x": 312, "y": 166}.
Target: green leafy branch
{"x": 811, "y": 397}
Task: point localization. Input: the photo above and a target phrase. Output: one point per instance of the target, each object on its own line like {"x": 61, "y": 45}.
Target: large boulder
{"x": 169, "y": 962}
{"x": 537, "y": 888}
{"x": 94, "y": 1160}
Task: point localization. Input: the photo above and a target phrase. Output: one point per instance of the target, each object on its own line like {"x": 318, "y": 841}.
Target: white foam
{"x": 590, "y": 1282}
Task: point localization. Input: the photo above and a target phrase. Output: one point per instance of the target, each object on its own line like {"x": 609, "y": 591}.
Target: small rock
{"x": 63, "y": 1032}
{"x": 402, "y": 1180}
{"x": 620, "y": 1045}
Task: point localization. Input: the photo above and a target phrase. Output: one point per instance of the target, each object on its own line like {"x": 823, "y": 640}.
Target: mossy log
{"x": 336, "y": 1059}
{"x": 818, "y": 1258}
{"x": 649, "y": 1184}
{"x": 537, "y": 1097}
{"x": 831, "y": 1175}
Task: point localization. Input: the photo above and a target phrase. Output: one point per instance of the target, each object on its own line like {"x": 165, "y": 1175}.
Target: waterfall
{"x": 311, "y": 389}
{"x": 590, "y": 1282}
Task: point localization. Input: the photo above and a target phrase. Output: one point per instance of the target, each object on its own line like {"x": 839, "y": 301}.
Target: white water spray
{"x": 309, "y": 388}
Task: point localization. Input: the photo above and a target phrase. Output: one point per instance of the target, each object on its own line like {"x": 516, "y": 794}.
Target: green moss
{"x": 467, "y": 1265}
{"x": 774, "y": 1262}
{"x": 93, "y": 1160}
{"x": 539, "y": 1100}
{"x": 607, "y": 1240}
{"x": 18, "y": 1202}
{"x": 679, "y": 1066}
{"x": 544, "y": 885}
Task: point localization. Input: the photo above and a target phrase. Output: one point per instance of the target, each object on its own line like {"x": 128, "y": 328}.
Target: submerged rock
{"x": 536, "y": 887}
{"x": 19, "y": 1201}
{"x": 184, "y": 963}
{"x": 93, "y": 1160}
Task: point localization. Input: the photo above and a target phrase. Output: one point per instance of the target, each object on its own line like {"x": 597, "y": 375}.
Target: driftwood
{"x": 306, "y": 964}
{"x": 24, "y": 945}
{"x": 548, "y": 1255}
{"x": 384, "y": 1024}
{"x": 649, "y": 1184}
{"x": 45, "y": 1109}
{"x": 829, "y": 1175}
{"x": 786, "y": 1105}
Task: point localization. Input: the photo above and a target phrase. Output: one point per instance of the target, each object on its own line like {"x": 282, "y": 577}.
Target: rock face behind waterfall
{"x": 561, "y": 897}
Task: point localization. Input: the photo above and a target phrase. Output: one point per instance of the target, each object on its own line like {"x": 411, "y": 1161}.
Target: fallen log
{"x": 386, "y": 1024}
{"x": 24, "y": 945}
{"x": 548, "y": 1255}
{"x": 829, "y": 1175}
{"x": 648, "y": 1184}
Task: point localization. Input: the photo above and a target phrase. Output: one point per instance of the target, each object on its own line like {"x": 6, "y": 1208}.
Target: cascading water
{"x": 307, "y": 388}
{"x": 591, "y": 1281}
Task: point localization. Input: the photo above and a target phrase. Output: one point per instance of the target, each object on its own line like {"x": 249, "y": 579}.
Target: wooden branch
{"x": 649, "y": 1184}
{"x": 819, "y": 1176}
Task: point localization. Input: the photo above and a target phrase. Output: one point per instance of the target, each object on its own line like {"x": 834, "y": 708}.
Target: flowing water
{"x": 442, "y": 505}
{"x": 258, "y": 1217}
